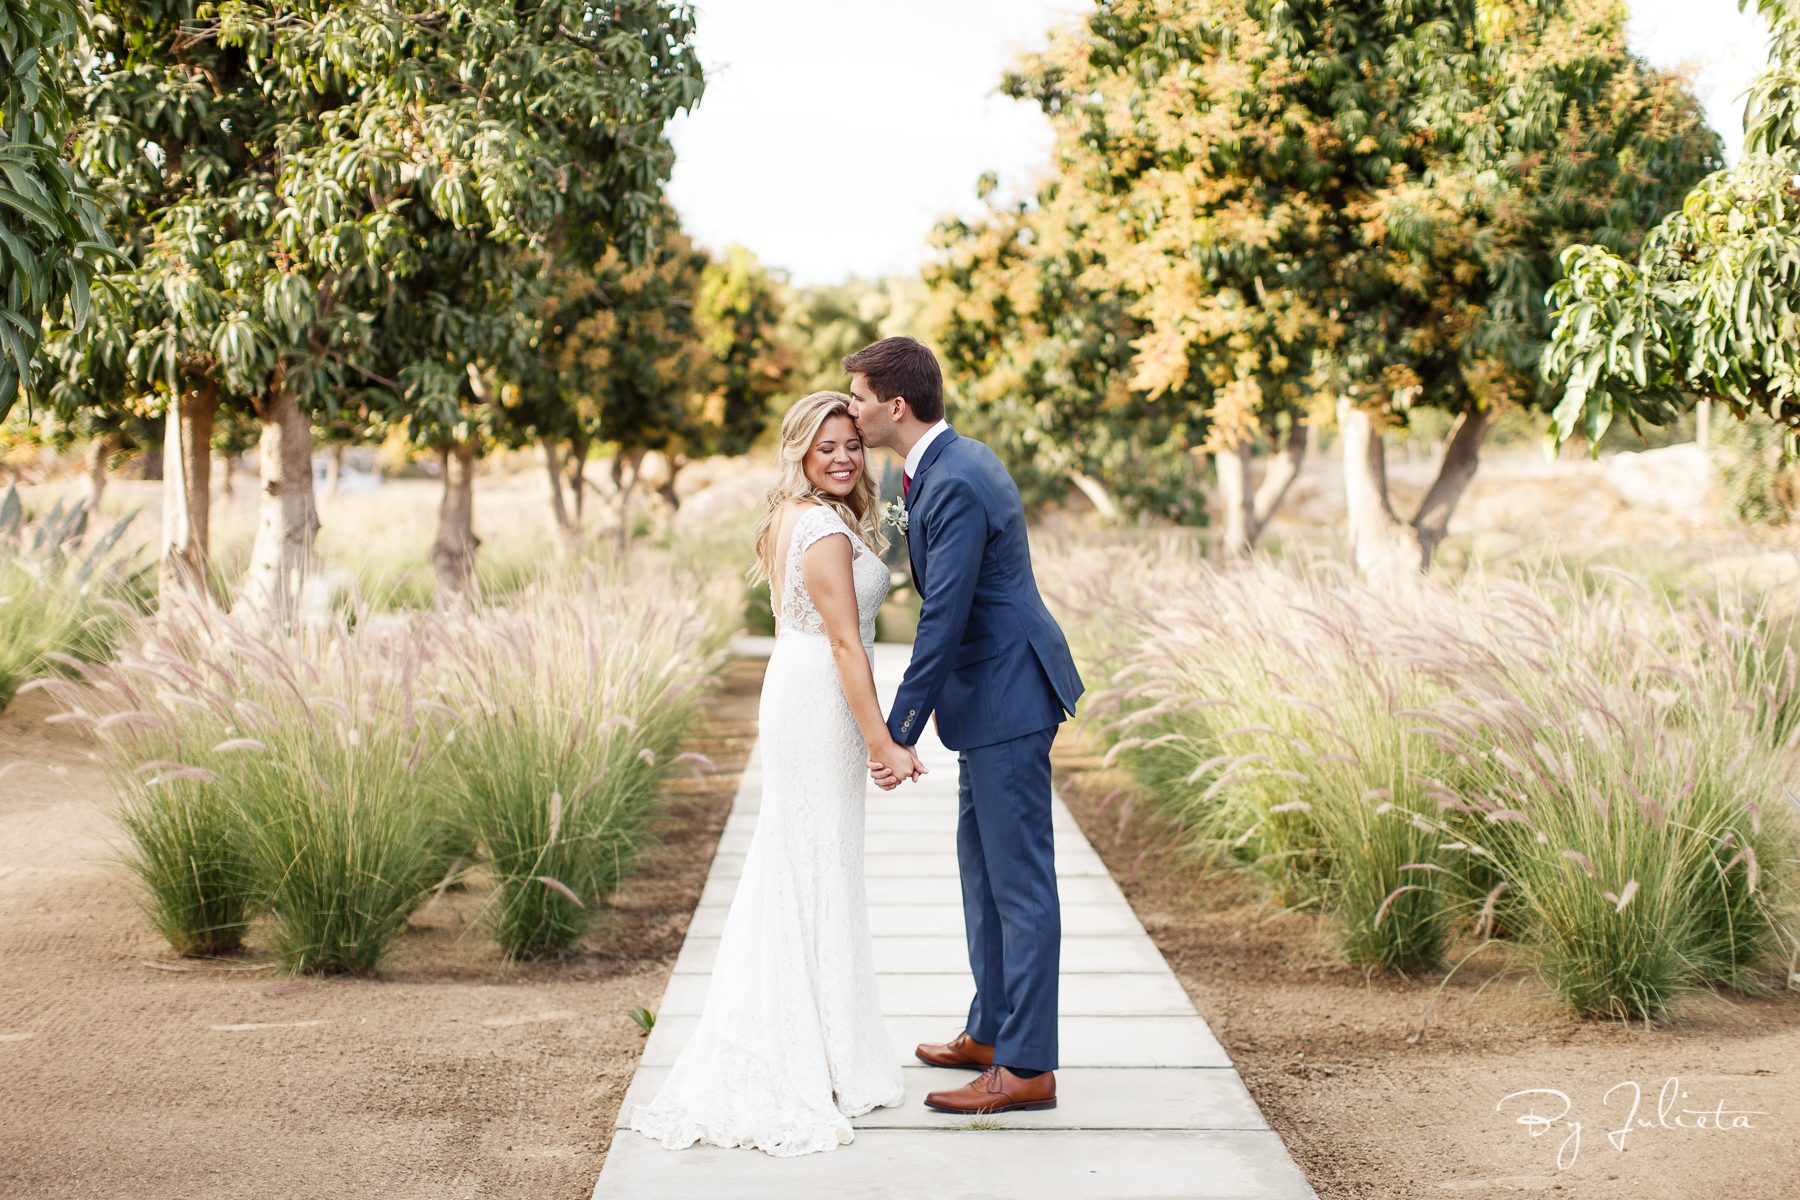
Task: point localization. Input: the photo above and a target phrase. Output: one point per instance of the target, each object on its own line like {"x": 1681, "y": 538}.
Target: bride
{"x": 790, "y": 1044}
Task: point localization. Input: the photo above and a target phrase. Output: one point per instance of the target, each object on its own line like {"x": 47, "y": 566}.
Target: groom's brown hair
{"x": 900, "y": 366}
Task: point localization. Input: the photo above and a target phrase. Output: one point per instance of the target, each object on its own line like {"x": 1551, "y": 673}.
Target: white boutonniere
{"x": 894, "y": 513}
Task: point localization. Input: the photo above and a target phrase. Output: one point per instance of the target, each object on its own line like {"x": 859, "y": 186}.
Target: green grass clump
{"x": 62, "y": 594}
{"x": 199, "y": 887}
{"x": 580, "y": 697}
{"x": 1638, "y": 765}
{"x": 1592, "y": 773}
{"x": 345, "y": 858}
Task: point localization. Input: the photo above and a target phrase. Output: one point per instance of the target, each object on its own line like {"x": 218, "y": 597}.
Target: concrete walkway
{"x": 1149, "y": 1104}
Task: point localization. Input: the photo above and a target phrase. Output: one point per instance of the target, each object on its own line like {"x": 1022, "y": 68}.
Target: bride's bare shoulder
{"x": 790, "y": 515}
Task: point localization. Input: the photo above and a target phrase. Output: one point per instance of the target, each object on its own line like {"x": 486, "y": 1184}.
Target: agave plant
{"x": 61, "y": 599}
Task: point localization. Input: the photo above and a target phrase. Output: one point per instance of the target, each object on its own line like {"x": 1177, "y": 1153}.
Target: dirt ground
{"x": 1390, "y": 1089}
{"x": 452, "y": 1074}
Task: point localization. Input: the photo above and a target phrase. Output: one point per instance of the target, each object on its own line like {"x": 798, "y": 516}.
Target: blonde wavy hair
{"x": 799, "y": 429}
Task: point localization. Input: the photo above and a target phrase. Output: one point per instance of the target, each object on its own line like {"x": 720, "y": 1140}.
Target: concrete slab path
{"x": 1149, "y": 1106}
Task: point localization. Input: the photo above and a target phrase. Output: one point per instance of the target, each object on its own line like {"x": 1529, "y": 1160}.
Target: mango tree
{"x": 52, "y": 237}
{"x": 584, "y": 93}
{"x": 286, "y": 173}
{"x": 1260, "y": 209}
{"x": 1709, "y": 307}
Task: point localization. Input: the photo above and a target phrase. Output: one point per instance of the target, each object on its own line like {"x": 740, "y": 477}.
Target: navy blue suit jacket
{"x": 988, "y": 658}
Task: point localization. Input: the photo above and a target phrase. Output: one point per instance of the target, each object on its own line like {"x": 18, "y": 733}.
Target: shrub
{"x": 1592, "y": 771}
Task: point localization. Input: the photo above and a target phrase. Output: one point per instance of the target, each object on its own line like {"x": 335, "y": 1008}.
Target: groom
{"x": 991, "y": 663}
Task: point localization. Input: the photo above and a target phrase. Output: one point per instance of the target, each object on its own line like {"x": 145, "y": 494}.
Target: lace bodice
{"x": 794, "y": 611}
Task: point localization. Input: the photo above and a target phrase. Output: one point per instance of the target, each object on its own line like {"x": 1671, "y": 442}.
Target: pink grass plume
{"x": 559, "y": 886}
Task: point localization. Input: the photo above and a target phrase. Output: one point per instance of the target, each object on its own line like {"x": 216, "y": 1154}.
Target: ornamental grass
{"x": 576, "y": 703}
{"x": 297, "y": 774}
{"x": 327, "y": 779}
{"x": 1591, "y": 775}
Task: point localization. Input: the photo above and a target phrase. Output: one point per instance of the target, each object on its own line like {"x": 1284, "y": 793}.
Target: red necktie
{"x": 905, "y": 486}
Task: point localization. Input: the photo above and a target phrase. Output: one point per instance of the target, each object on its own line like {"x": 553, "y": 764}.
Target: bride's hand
{"x": 891, "y": 763}
{"x": 883, "y": 777}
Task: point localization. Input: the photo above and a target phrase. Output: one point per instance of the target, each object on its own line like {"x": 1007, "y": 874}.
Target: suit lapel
{"x": 914, "y": 549}
{"x": 925, "y": 460}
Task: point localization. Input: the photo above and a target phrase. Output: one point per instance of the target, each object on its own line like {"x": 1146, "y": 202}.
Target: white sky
{"x": 835, "y": 133}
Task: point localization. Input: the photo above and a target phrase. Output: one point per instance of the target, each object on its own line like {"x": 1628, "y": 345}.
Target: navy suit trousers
{"x": 1005, "y": 850}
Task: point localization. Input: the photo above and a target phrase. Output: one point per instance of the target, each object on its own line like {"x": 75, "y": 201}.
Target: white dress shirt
{"x": 917, "y": 454}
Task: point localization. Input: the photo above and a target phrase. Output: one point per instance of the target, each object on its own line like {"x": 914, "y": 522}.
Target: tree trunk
{"x": 636, "y": 458}
{"x": 453, "y": 554}
{"x": 1462, "y": 455}
{"x": 1702, "y": 422}
{"x": 1279, "y": 476}
{"x": 1233, "y": 467}
{"x": 1097, "y": 495}
{"x": 558, "y": 510}
{"x": 565, "y": 530}
{"x": 1247, "y": 515}
{"x": 334, "y": 469}
{"x": 99, "y": 453}
{"x": 577, "y": 468}
{"x": 1379, "y": 544}
{"x": 667, "y": 490}
{"x": 287, "y": 519}
{"x": 187, "y": 489}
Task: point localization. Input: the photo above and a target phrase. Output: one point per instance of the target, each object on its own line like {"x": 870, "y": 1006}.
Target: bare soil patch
{"x": 1386, "y": 1088}
{"x": 451, "y": 1074}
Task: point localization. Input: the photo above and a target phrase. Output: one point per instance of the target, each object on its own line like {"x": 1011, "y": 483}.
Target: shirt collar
{"x": 917, "y": 454}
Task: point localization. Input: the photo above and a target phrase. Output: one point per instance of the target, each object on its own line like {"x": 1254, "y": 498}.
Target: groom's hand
{"x": 918, "y": 766}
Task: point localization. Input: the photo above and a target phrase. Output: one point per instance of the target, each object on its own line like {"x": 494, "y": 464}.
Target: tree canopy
{"x": 52, "y": 236}
{"x": 1709, "y": 308}
{"x": 281, "y": 173}
{"x": 1260, "y": 207}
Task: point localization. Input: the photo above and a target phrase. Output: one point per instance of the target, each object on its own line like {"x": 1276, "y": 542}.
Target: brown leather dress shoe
{"x": 960, "y": 1051}
{"x": 997, "y": 1090}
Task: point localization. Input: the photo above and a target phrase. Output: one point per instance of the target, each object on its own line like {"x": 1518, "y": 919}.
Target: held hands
{"x": 892, "y": 764}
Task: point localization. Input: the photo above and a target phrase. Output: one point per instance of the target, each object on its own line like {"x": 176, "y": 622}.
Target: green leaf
{"x": 78, "y": 298}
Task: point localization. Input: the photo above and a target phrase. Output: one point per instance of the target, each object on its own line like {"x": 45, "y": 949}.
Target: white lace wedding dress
{"x": 790, "y": 1044}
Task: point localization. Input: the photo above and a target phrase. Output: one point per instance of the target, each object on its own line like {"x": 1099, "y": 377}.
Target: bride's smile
{"x": 835, "y": 461}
